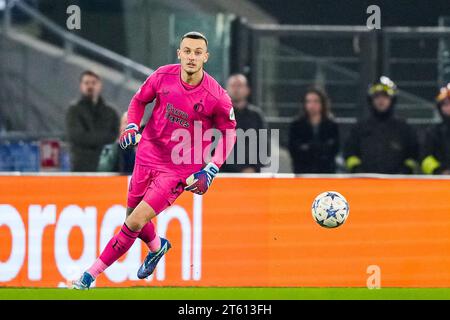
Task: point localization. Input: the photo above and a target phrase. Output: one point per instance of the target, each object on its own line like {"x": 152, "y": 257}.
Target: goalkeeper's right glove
{"x": 130, "y": 136}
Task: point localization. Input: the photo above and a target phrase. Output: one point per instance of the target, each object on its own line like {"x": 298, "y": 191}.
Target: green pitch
{"x": 224, "y": 293}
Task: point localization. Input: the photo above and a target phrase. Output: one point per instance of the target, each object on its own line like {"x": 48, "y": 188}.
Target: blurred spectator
{"x": 436, "y": 158}
{"x": 382, "y": 143}
{"x": 247, "y": 116}
{"x": 314, "y": 136}
{"x": 113, "y": 158}
{"x": 90, "y": 124}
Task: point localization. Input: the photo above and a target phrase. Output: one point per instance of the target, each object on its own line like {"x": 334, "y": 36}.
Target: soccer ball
{"x": 330, "y": 209}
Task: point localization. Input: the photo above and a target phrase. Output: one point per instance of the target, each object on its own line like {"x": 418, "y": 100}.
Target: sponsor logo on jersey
{"x": 175, "y": 115}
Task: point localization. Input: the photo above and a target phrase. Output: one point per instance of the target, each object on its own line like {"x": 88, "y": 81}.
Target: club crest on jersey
{"x": 198, "y": 107}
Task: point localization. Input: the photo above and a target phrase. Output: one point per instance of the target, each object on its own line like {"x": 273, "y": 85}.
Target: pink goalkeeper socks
{"x": 148, "y": 235}
{"x": 118, "y": 245}
{"x": 98, "y": 267}
{"x": 155, "y": 244}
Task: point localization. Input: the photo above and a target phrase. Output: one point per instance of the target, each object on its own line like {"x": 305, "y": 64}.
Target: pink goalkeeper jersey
{"x": 174, "y": 138}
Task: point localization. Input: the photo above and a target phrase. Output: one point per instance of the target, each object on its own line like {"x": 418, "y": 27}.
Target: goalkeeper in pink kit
{"x": 187, "y": 99}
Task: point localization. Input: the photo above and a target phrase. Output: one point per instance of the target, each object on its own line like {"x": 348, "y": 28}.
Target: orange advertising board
{"x": 243, "y": 232}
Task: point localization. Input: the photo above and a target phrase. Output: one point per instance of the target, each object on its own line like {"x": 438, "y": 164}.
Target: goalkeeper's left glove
{"x": 200, "y": 181}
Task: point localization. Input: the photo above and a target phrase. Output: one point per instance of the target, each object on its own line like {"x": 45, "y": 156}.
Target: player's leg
{"x": 160, "y": 246}
{"x": 161, "y": 193}
{"x": 140, "y": 181}
{"x": 148, "y": 234}
{"x": 118, "y": 245}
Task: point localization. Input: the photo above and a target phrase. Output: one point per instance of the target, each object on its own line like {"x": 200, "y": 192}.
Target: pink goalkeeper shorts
{"x": 158, "y": 189}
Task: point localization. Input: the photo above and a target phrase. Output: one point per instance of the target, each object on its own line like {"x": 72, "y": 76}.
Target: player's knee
{"x": 138, "y": 217}
{"x": 135, "y": 222}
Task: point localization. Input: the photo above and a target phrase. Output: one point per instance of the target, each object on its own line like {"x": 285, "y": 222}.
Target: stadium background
{"x": 399, "y": 224}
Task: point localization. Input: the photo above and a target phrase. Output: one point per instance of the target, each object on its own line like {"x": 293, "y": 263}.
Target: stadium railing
{"x": 345, "y": 60}
{"x": 72, "y": 42}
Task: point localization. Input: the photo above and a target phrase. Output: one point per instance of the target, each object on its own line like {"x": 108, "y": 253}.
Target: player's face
{"x": 382, "y": 102}
{"x": 446, "y": 107}
{"x": 237, "y": 88}
{"x": 90, "y": 86}
{"x": 313, "y": 106}
{"x": 193, "y": 54}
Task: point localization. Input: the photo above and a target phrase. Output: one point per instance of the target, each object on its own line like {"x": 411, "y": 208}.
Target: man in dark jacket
{"x": 248, "y": 117}
{"x": 382, "y": 143}
{"x": 436, "y": 158}
{"x": 90, "y": 124}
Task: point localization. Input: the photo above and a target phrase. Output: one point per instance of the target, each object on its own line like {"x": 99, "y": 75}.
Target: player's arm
{"x": 224, "y": 121}
{"x": 136, "y": 109}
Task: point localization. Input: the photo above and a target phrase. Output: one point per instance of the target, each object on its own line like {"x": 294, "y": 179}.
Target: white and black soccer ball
{"x": 330, "y": 209}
